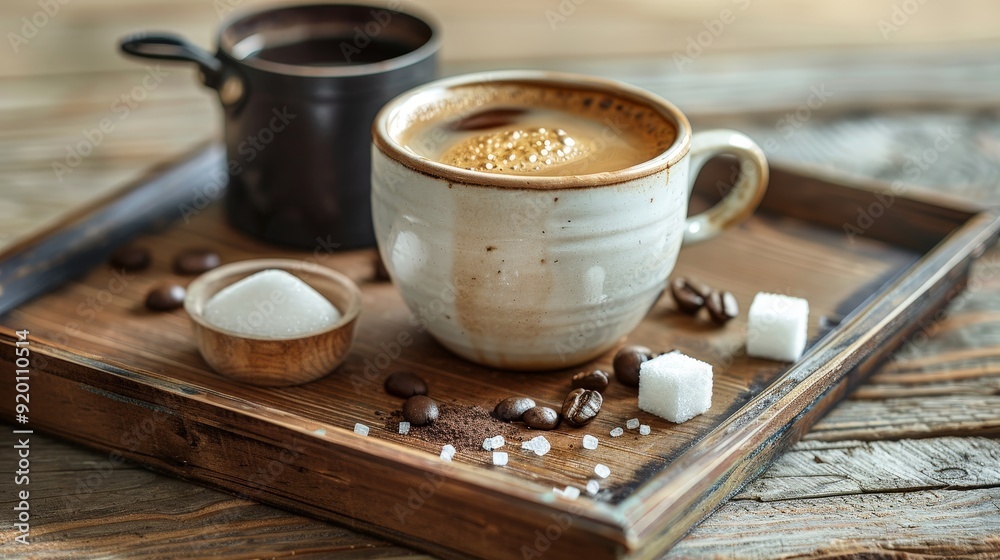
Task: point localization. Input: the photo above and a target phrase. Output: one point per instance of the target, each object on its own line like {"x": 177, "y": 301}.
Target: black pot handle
{"x": 167, "y": 46}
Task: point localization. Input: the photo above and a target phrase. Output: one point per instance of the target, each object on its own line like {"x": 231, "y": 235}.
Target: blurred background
{"x": 853, "y": 85}
{"x": 79, "y": 36}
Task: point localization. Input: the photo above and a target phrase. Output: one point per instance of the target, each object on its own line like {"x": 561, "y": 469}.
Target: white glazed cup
{"x": 538, "y": 273}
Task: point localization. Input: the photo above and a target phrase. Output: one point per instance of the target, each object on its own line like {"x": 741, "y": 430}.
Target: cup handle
{"x": 167, "y": 46}
{"x": 745, "y": 195}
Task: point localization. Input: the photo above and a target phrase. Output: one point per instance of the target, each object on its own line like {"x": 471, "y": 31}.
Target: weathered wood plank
{"x": 88, "y": 505}
{"x": 817, "y": 469}
{"x": 911, "y": 417}
{"x": 925, "y": 524}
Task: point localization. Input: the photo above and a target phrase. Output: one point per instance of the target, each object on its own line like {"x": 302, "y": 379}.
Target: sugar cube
{"x": 602, "y": 470}
{"x": 271, "y": 304}
{"x": 675, "y": 387}
{"x": 361, "y": 429}
{"x": 777, "y": 327}
{"x": 644, "y": 430}
{"x": 404, "y": 428}
{"x": 617, "y": 431}
{"x": 593, "y": 487}
{"x": 499, "y": 458}
{"x": 448, "y": 452}
{"x": 589, "y": 442}
{"x": 571, "y": 493}
{"x": 632, "y": 423}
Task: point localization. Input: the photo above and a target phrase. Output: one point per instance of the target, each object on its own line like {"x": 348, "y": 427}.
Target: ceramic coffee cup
{"x": 542, "y": 272}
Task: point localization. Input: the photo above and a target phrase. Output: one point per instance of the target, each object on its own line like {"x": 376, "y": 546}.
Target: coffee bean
{"x": 581, "y": 406}
{"x": 699, "y": 287}
{"x": 196, "y": 261}
{"x": 405, "y": 384}
{"x": 595, "y": 380}
{"x": 512, "y": 409}
{"x": 130, "y": 258}
{"x": 420, "y": 410}
{"x": 541, "y": 418}
{"x": 165, "y": 297}
{"x": 627, "y": 362}
{"x": 722, "y": 307}
{"x": 688, "y": 300}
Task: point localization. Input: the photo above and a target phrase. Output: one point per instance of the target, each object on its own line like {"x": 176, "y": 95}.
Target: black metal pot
{"x": 300, "y": 87}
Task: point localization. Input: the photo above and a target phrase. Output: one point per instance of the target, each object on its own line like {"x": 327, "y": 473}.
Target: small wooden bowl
{"x": 267, "y": 361}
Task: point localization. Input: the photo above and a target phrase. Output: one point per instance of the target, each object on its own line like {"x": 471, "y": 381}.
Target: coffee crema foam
{"x": 535, "y": 129}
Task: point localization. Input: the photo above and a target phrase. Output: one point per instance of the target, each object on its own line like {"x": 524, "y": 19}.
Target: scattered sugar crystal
{"x": 589, "y": 442}
{"x": 271, "y": 304}
{"x": 602, "y": 470}
{"x": 675, "y": 387}
{"x": 632, "y": 423}
{"x": 540, "y": 445}
{"x": 644, "y": 430}
{"x": 498, "y": 442}
{"x": 448, "y": 452}
{"x": 593, "y": 487}
{"x": 404, "y": 428}
{"x": 361, "y": 429}
{"x": 617, "y": 431}
{"x": 571, "y": 492}
{"x": 777, "y": 327}
{"x": 499, "y": 458}
{"x": 488, "y": 444}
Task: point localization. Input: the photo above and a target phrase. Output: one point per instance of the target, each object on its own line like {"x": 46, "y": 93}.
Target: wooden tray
{"x": 108, "y": 374}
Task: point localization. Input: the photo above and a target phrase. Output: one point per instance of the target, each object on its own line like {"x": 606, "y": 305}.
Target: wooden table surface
{"x": 907, "y": 465}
